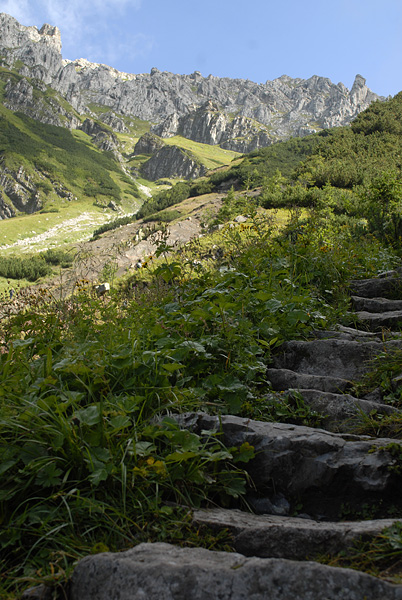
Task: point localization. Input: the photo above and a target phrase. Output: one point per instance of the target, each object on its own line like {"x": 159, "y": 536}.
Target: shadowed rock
{"x": 324, "y": 469}
{"x": 284, "y": 379}
{"x": 376, "y": 305}
{"x": 340, "y": 358}
{"x": 342, "y": 411}
{"x": 376, "y": 321}
{"x": 389, "y": 286}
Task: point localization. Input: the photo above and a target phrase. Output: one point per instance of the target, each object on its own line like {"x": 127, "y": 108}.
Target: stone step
{"x": 389, "y": 286}
{"x": 271, "y": 536}
{"x": 342, "y": 412}
{"x": 339, "y": 358}
{"x": 164, "y": 572}
{"x": 347, "y": 333}
{"x": 284, "y": 379}
{"x": 323, "y": 470}
{"x": 376, "y": 305}
{"x": 376, "y": 321}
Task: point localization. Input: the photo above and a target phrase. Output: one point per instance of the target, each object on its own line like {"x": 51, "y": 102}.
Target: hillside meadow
{"x": 91, "y": 458}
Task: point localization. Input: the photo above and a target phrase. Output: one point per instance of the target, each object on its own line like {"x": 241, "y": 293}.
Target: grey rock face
{"x": 389, "y": 286}
{"x": 164, "y": 572}
{"x": 20, "y": 96}
{"x": 209, "y": 125}
{"x": 101, "y": 136}
{"x": 38, "y": 50}
{"x": 321, "y": 467}
{"x": 376, "y": 305}
{"x": 149, "y": 143}
{"x": 6, "y": 209}
{"x": 171, "y": 161}
{"x": 377, "y": 321}
{"x": 21, "y": 191}
{"x": 283, "y": 379}
{"x": 115, "y": 122}
{"x": 91, "y": 127}
{"x": 263, "y": 113}
{"x": 379, "y": 313}
{"x": 342, "y": 412}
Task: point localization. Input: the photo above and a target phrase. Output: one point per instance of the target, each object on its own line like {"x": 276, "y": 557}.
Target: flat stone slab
{"x": 376, "y": 305}
{"x": 342, "y": 411}
{"x": 347, "y": 333}
{"x": 284, "y": 379}
{"x": 344, "y": 359}
{"x": 164, "y": 572}
{"x": 325, "y": 469}
{"x": 389, "y": 286}
{"x": 271, "y": 536}
{"x": 375, "y": 321}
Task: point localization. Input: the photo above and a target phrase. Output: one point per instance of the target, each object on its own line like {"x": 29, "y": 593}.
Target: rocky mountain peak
{"x": 238, "y": 114}
{"x": 13, "y": 33}
{"x": 51, "y": 35}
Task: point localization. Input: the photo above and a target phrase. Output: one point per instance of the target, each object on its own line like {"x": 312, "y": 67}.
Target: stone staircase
{"x": 304, "y": 480}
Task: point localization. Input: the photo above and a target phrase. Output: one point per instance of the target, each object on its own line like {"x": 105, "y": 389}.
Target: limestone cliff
{"x": 238, "y": 114}
{"x": 171, "y": 161}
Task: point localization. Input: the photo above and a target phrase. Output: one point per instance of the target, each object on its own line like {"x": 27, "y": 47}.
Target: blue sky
{"x": 248, "y": 39}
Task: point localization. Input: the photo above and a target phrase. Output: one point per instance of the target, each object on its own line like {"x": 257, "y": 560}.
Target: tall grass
{"x": 90, "y": 456}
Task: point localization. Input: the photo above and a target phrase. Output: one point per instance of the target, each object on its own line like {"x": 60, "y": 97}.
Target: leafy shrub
{"x": 165, "y": 199}
{"x": 32, "y": 268}
{"x": 382, "y": 206}
{"x": 57, "y": 257}
{"x": 115, "y": 224}
{"x": 165, "y": 216}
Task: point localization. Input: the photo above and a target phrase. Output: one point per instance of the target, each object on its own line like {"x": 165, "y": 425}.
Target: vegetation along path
{"x": 330, "y": 470}
{"x": 226, "y": 422}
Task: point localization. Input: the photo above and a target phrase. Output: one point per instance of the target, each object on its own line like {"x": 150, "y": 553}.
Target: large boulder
{"x": 164, "y": 572}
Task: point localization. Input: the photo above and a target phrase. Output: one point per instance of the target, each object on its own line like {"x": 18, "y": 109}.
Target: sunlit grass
{"x": 210, "y": 156}
{"x": 74, "y": 221}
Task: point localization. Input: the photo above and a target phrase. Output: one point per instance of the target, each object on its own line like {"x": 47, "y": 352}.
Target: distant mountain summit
{"x": 237, "y": 114}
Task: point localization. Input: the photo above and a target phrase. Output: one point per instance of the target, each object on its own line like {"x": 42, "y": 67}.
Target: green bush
{"x": 32, "y": 268}
{"x": 165, "y": 216}
{"x": 115, "y": 224}
{"x": 165, "y": 199}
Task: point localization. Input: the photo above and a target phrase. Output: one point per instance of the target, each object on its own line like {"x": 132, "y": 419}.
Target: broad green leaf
{"x": 180, "y": 456}
{"x": 99, "y": 475}
{"x": 273, "y": 305}
{"x": 4, "y": 466}
{"x": 243, "y": 454}
{"x": 171, "y": 367}
{"x": 120, "y": 421}
{"x": 144, "y": 448}
{"x": 89, "y": 416}
{"x": 192, "y": 345}
{"x": 48, "y": 476}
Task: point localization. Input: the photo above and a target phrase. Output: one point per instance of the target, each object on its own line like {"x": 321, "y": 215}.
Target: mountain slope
{"x": 250, "y": 115}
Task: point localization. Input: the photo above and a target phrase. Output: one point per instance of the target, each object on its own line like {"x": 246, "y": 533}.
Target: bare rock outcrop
{"x": 149, "y": 143}
{"x": 164, "y": 572}
{"x": 172, "y": 161}
{"x": 243, "y": 116}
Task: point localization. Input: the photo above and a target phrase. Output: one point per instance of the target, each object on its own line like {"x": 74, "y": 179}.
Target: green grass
{"x": 28, "y": 227}
{"x": 90, "y": 457}
{"x": 210, "y": 156}
{"x": 85, "y": 464}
